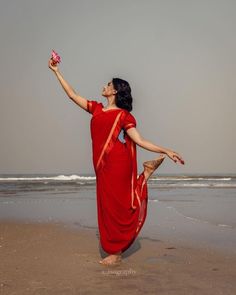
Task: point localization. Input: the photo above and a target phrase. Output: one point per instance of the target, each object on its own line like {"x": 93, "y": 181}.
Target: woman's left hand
{"x": 175, "y": 156}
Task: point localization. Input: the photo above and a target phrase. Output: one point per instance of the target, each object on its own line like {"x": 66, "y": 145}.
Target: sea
{"x": 15, "y": 183}
{"x": 198, "y": 208}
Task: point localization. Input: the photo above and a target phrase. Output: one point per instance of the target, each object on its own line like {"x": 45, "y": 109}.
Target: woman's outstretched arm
{"x": 79, "y": 100}
{"x": 140, "y": 141}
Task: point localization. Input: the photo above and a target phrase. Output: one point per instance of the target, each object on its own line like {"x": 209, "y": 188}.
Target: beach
{"x": 49, "y": 241}
{"x": 47, "y": 258}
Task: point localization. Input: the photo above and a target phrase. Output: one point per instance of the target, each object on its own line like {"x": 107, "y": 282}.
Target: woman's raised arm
{"x": 79, "y": 100}
{"x": 139, "y": 140}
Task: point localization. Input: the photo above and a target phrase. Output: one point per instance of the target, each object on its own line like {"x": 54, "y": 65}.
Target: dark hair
{"x": 123, "y": 97}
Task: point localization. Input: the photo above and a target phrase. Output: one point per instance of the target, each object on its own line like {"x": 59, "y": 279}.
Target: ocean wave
{"x": 194, "y": 219}
{"x": 190, "y": 178}
{"x": 192, "y": 185}
{"x": 59, "y": 178}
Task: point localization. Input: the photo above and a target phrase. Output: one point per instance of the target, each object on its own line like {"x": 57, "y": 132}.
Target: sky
{"x": 177, "y": 55}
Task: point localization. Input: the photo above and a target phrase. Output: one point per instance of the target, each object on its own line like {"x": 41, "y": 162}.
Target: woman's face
{"x": 108, "y": 90}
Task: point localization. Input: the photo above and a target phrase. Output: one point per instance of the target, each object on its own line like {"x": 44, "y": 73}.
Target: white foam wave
{"x": 197, "y": 219}
{"x": 186, "y": 185}
{"x": 224, "y": 225}
{"x": 190, "y": 178}
{"x": 59, "y": 177}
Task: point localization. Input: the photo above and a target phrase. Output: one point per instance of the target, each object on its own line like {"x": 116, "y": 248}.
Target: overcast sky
{"x": 178, "y": 56}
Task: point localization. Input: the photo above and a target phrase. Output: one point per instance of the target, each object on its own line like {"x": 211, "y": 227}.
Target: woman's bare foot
{"x": 151, "y": 166}
{"x": 111, "y": 259}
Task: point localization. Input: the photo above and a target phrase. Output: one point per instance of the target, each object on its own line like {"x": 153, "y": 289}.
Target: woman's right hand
{"x": 175, "y": 156}
{"x": 53, "y": 67}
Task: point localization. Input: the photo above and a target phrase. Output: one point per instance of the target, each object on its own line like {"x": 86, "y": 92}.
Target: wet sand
{"x": 53, "y": 258}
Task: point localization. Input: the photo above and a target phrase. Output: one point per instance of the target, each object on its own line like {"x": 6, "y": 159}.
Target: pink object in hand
{"x": 55, "y": 57}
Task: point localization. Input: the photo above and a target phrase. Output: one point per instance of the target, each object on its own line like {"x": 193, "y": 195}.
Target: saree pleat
{"x": 122, "y": 195}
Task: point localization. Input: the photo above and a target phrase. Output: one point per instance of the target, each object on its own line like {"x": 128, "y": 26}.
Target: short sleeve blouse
{"x": 129, "y": 122}
{"x": 91, "y": 106}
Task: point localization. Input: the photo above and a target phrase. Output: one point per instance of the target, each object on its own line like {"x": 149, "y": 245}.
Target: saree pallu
{"x": 122, "y": 195}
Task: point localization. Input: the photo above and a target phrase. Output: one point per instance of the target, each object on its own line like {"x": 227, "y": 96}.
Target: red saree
{"x": 121, "y": 194}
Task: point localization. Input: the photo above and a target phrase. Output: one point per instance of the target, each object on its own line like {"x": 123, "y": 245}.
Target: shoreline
{"x": 53, "y": 257}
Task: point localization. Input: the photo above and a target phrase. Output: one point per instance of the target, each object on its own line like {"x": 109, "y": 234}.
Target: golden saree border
{"x": 108, "y": 139}
{"x": 134, "y": 192}
{"x": 142, "y": 206}
{"x": 133, "y": 172}
{"x": 129, "y": 125}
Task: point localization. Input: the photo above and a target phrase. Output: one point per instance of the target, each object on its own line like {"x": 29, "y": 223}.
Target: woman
{"x": 122, "y": 197}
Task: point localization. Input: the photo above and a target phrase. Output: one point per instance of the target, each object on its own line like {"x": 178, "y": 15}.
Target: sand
{"x": 52, "y": 258}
